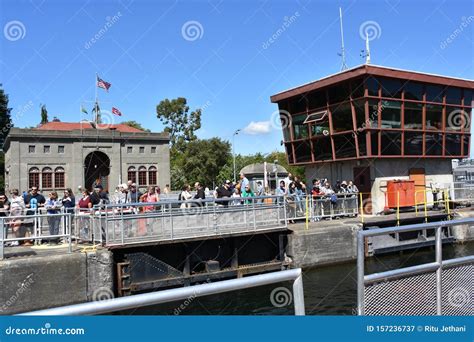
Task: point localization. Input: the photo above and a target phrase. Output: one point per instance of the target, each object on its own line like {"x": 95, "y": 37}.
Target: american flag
{"x": 102, "y": 84}
{"x": 115, "y": 111}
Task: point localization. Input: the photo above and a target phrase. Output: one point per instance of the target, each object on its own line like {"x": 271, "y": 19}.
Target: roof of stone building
{"x": 69, "y": 126}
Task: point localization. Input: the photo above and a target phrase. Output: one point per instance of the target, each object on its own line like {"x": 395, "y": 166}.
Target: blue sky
{"x": 225, "y": 61}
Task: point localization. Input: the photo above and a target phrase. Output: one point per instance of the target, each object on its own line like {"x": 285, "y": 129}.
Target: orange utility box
{"x": 405, "y": 190}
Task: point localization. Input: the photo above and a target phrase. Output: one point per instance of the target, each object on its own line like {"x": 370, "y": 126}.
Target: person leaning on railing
{"x": 17, "y": 207}
{"x": 53, "y": 206}
{"x": 247, "y": 192}
{"x": 4, "y": 209}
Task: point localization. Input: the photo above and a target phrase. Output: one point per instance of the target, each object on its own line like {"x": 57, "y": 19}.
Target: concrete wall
{"x": 327, "y": 244}
{"x": 40, "y": 282}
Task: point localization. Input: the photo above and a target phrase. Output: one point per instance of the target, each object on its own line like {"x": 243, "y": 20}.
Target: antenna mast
{"x": 367, "y": 49}
{"x": 343, "y": 52}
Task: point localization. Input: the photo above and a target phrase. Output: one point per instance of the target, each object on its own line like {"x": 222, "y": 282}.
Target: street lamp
{"x": 233, "y": 149}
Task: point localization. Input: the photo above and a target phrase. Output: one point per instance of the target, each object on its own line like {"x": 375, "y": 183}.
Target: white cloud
{"x": 259, "y": 127}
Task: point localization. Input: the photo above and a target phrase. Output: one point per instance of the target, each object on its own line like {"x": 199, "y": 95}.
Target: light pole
{"x": 233, "y": 149}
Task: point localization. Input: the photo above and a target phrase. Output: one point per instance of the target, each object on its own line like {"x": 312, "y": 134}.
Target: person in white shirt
{"x": 185, "y": 195}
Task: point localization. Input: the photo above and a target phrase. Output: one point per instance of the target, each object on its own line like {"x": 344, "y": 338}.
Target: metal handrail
{"x": 438, "y": 265}
{"x": 159, "y": 297}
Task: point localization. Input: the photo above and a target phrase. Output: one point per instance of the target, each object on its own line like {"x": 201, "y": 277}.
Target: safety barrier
{"x": 159, "y": 297}
{"x": 35, "y": 228}
{"x": 315, "y": 208}
{"x": 441, "y": 287}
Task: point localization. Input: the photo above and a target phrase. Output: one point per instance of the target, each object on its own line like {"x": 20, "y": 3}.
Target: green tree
{"x": 179, "y": 122}
{"x": 44, "y": 115}
{"x": 5, "y": 124}
{"x": 134, "y": 124}
{"x": 201, "y": 161}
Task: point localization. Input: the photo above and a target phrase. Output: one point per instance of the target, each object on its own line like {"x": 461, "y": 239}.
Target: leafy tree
{"x": 201, "y": 161}
{"x": 5, "y": 116}
{"x": 179, "y": 122}
{"x": 134, "y": 124}
{"x": 44, "y": 115}
{"x": 5, "y": 124}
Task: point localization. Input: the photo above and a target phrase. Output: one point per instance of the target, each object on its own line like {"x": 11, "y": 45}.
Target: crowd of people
{"x": 20, "y": 205}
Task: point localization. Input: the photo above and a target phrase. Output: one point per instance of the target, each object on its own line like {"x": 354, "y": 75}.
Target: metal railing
{"x": 428, "y": 289}
{"x": 315, "y": 208}
{"x": 121, "y": 224}
{"x": 159, "y": 297}
{"x": 40, "y": 228}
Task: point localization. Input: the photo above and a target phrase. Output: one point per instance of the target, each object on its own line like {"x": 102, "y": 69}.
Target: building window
{"x": 129, "y": 149}
{"x": 344, "y": 146}
{"x": 391, "y": 87}
{"x": 391, "y": 143}
{"x": 141, "y": 149}
{"x": 132, "y": 174}
{"x": 434, "y": 117}
{"x": 46, "y": 148}
{"x": 453, "y": 95}
{"x": 153, "y": 149}
{"x": 413, "y": 115}
{"x": 391, "y": 117}
{"x": 322, "y": 148}
{"x": 47, "y": 178}
{"x": 372, "y": 86}
{"x": 413, "y": 91}
{"x": 59, "y": 178}
{"x": 413, "y": 143}
{"x": 456, "y": 119}
{"x": 300, "y": 129}
{"x": 31, "y": 149}
{"x": 342, "y": 117}
{"x": 303, "y": 151}
{"x": 453, "y": 144}
{"x": 142, "y": 175}
{"x": 61, "y": 149}
{"x": 152, "y": 175}
{"x": 434, "y": 93}
{"x": 339, "y": 93}
{"x": 33, "y": 177}
{"x": 434, "y": 144}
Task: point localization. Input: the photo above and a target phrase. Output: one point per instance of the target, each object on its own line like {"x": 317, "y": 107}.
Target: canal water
{"x": 329, "y": 290}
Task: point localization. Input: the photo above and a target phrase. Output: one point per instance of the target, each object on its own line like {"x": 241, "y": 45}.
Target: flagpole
{"x": 96, "y": 98}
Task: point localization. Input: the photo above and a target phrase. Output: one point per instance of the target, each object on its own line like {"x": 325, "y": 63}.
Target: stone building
{"x": 59, "y": 155}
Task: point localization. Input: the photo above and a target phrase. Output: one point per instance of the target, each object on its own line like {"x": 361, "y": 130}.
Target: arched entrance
{"x": 96, "y": 169}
